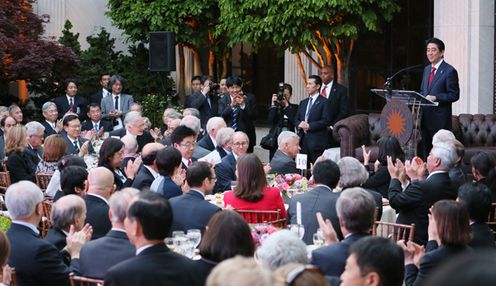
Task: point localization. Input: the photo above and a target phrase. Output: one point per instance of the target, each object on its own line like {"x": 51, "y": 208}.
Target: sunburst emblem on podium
{"x": 397, "y": 121}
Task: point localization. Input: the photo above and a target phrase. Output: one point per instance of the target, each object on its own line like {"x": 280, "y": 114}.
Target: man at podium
{"x": 439, "y": 84}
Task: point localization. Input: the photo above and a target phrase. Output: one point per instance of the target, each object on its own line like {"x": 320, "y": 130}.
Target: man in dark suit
{"x": 148, "y": 172}
{"x": 75, "y": 144}
{"x": 184, "y": 140}
{"x": 356, "y": 211}
{"x": 95, "y": 122}
{"x": 35, "y": 132}
{"x": 439, "y": 84}
{"x": 191, "y": 210}
{"x": 239, "y": 110}
{"x": 99, "y": 95}
{"x": 283, "y": 160}
{"x": 70, "y": 102}
{"x": 206, "y": 101}
{"x": 100, "y": 187}
{"x": 312, "y": 120}
{"x": 49, "y": 110}
{"x": 148, "y": 222}
{"x": 134, "y": 125}
{"x": 209, "y": 142}
{"x": 319, "y": 199}
{"x": 36, "y": 261}
{"x": 414, "y": 202}
{"x": 98, "y": 255}
{"x": 225, "y": 171}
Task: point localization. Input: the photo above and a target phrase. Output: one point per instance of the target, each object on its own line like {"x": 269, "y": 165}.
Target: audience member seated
{"x": 100, "y": 187}
{"x": 484, "y": 171}
{"x": 134, "y": 125}
{"x": 6, "y": 123}
{"x": 477, "y": 199}
{"x": 356, "y": 212}
{"x": 53, "y": 150}
{"x": 95, "y": 122}
{"x": 449, "y": 234}
{"x": 4, "y": 256}
{"x": 413, "y": 203}
{"x": 149, "y": 171}
{"x": 35, "y": 132}
{"x": 72, "y": 182}
{"x": 281, "y": 248}
{"x": 296, "y": 274}
{"x": 130, "y": 149}
{"x": 226, "y": 169}
{"x": 191, "y": 210}
{"x": 173, "y": 124}
{"x": 193, "y": 122}
{"x": 379, "y": 179}
{"x": 36, "y": 261}
{"x": 171, "y": 181}
{"x": 288, "y": 147}
{"x": 50, "y": 122}
{"x": 75, "y": 144}
{"x": 184, "y": 139}
{"x": 111, "y": 153}
{"x": 251, "y": 191}
{"x": 19, "y": 162}
{"x": 209, "y": 142}
{"x": 227, "y": 235}
{"x": 239, "y": 271}
{"x": 374, "y": 261}
{"x": 148, "y": 221}
{"x": 224, "y": 140}
{"x": 98, "y": 255}
{"x": 68, "y": 160}
{"x": 16, "y": 112}
{"x": 456, "y": 173}
{"x": 169, "y": 115}
{"x": 320, "y": 199}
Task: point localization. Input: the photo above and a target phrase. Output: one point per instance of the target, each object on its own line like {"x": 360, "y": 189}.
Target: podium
{"x": 401, "y": 117}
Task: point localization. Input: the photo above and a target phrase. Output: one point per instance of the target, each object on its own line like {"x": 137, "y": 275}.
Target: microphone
{"x": 387, "y": 84}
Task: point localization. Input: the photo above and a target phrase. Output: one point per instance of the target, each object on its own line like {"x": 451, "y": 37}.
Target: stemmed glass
{"x": 194, "y": 235}
{"x": 299, "y": 229}
{"x": 318, "y": 238}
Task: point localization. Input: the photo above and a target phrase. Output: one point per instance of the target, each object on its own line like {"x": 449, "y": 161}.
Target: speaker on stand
{"x": 162, "y": 54}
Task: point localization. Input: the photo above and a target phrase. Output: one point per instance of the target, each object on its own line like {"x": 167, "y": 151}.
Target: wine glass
{"x": 318, "y": 238}
{"x": 194, "y": 236}
{"x": 169, "y": 242}
{"x": 299, "y": 229}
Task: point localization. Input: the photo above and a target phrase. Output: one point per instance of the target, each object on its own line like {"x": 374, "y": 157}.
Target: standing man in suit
{"x": 148, "y": 223}
{"x": 312, "y": 120}
{"x": 36, "y": 133}
{"x": 116, "y": 106}
{"x": 439, "y": 84}
{"x": 283, "y": 160}
{"x": 239, "y": 110}
{"x": 320, "y": 199}
{"x": 71, "y": 102}
{"x": 356, "y": 212}
{"x": 206, "y": 101}
{"x": 195, "y": 87}
{"x": 75, "y": 144}
{"x": 209, "y": 141}
{"x": 103, "y": 92}
{"x": 36, "y": 261}
{"x": 95, "y": 122}
{"x": 149, "y": 170}
{"x": 134, "y": 125}
{"x": 225, "y": 171}
{"x": 191, "y": 210}
{"x": 100, "y": 187}
{"x": 51, "y": 124}
{"x": 98, "y": 255}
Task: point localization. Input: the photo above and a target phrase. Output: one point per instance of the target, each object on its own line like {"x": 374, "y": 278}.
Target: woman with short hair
{"x": 54, "y": 149}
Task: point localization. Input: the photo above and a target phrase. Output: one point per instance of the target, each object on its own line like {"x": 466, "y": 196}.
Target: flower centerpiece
{"x": 261, "y": 231}
{"x": 289, "y": 184}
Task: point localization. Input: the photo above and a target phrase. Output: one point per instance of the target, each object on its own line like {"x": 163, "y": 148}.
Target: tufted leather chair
{"x": 477, "y": 132}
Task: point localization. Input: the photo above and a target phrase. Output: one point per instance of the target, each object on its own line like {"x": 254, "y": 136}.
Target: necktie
{"x": 116, "y": 104}
{"x": 53, "y": 125}
{"x": 431, "y": 76}
{"x": 189, "y": 162}
{"x": 309, "y": 107}
{"x": 324, "y": 91}
{"x": 96, "y": 127}
{"x": 76, "y": 148}
{"x": 234, "y": 123}
{"x": 71, "y": 104}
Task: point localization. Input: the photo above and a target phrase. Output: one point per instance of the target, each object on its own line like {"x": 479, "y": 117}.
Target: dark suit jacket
{"x": 245, "y": 116}
{"x": 434, "y": 257}
{"x": 482, "y": 236}
{"x": 21, "y": 167}
{"x": 98, "y": 255}
{"x": 200, "y": 102}
{"x": 156, "y": 266}
{"x": 70, "y": 145}
{"x": 97, "y": 216}
{"x": 276, "y": 117}
{"x": 226, "y": 173}
{"x": 331, "y": 259}
{"x": 143, "y": 179}
{"x": 48, "y": 128}
{"x": 169, "y": 189}
{"x": 142, "y": 140}
{"x": 105, "y": 124}
{"x": 97, "y": 97}
{"x": 34, "y": 155}
{"x": 36, "y": 261}
{"x": 339, "y": 104}
{"x": 282, "y": 164}
{"x": 203, "y": 268}
{"x": 206, "y": 143}
{"x": 320, "y": 199}
{"x": 191, "y": 211}
{"x": 56, "y": 237}
{"x": 379, "y": 181}
{"x": 221, "y": 151}
{"x": 79, "y": 106}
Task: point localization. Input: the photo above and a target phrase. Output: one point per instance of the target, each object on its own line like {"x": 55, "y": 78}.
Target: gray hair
{"x": 148, "y": 123}
{"x": 131, "y": 118}
{"x": 66, "y": 211}
{"x": 47, "y": 106}
{"x": 22, "y": 198}
{"x": 119, "y": 203}
{"x": 356, "y": 210}
{"x": 215, "y": 123}
{"x": 353, "y": 173}
{"x": 6, "y": 109}
{"x": 113, "y": 79}
{"x": 171, "y": 113}
{"x": 33, "y": 127}
{"x": 281, "y": 248}
{"x": 191, "y": 111}
{"x": 446, "y": 153}
{"x": 130, "y": 143}
{"x": 224, "y": 136}
{"x": 286, "y": 136}
{"x": 442, "y": 135}
{"x": 192, "y": 122}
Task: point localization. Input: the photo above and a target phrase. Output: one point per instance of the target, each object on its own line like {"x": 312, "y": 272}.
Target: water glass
{"x": 194, "y": 236}
{"x": 318, "y": 240}
{"x": 169, "y": 242}
{"x": 299, "y": 229}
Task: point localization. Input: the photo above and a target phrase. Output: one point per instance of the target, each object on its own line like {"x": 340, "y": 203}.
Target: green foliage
{"x": 69, "y": 39}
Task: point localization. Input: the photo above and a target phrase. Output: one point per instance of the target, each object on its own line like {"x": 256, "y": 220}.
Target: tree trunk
{"x": 301, "y": 68}
{"x": 344, "y": 48}
{"x": 211, "y": 63}
{"x": 197, "y": 68}
{"x": 181, "y": 88}
{"x": 225, "y": 62}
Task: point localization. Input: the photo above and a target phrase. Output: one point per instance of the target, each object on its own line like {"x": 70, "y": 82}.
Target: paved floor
{"x": 259, "y": 151}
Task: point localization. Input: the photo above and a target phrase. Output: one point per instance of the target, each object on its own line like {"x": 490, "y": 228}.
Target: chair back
{"x": 257, "y": 216}
{"x": 4, "y": 181}
{"x": 46, "y": 223}
{"x": 491, "y": 220}
{"x": 396, "y": 231}
{"x": 42, "y": 180}
{"x": 84, "y": 281}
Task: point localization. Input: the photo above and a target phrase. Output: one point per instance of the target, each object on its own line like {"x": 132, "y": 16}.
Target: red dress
{"x": 271, "y": 201}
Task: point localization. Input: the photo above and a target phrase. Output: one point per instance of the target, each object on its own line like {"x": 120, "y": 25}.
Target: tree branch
{"x": 311, "y": 59}
{"x": 300, "y": 67}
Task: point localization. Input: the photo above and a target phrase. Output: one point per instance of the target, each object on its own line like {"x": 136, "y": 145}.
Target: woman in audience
{"x": 171, "y": 180}
{"x": 296, "y": 274}
{"x": 68, "y": 160}
{"x": 111, "y": 155}
{"x": 16, "y": 113}
{"x": 72, "y": 182}
{"x": 251, "y": 191}
{"x": 239, "y": 271}
{"x": 226, "y": 235}
{"x": 379, "y": 179}
{"x": 484, "y": 171}
{"x": 281, "y": 248}
{"x": 19, "y": 164}
{"x": 54, "y": 149}
{"x": 4, "y": 255}
{"x": 449, "y": 234}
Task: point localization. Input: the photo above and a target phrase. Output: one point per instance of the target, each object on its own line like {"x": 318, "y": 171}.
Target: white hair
{"x": 353, "y": 173}
{"x": 192, "y": 122}
{"x": 33, "y": 127}
{"x": 443, "y": 135}
{"x": 119, "y": 202}
{"x": 281, "y": 248}
{"x": 130, "y": 143}
{"x": 446, "y": 153}
{"x": 215, "y": 123}
{"x": 47, "y": 106}
{"x": 131, "y": 117}
{"x": 21, "y": 199}
{"x": 191, "y": 111}
{"x": 285, "y": 137}
{"x": 224, "y": 136}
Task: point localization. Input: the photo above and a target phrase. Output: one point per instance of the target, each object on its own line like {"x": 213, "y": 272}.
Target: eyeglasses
{"x": 240, "y": 144}
{"x": 295, "y": 273}
{"x": 188, "y": 145}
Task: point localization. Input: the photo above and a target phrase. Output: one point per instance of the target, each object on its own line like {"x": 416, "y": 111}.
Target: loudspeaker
{"x": 162, "y": 51}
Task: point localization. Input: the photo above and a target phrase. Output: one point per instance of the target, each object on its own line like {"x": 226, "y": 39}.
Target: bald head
{"x": 68, "y": 210}
{"x": 150, "y": 148}
{"x": 101, "y": 182}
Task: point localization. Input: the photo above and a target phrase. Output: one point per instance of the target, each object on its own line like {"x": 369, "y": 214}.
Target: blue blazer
{"x": 226, "y": 173}
{"x": 169, "y": 188}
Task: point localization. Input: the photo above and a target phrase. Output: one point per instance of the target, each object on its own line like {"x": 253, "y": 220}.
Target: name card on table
{"x": 301, "y": 161}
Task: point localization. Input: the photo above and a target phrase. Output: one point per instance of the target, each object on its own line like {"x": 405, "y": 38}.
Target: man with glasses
{"x": 226, "y": 169}
{"x": 75, "y": 144}
{"x": 135, "y": 126}
{"x": 184, "y": 140}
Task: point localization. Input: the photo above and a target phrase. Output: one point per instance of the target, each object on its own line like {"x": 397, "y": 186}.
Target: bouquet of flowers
{"x": 261, "y": 231}
{"x": 290, "y": 183}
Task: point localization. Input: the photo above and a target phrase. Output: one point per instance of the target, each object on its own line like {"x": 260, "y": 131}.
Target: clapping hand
{"x": 394, "y": 169}
{"x": 328, "y": 231}
{"x": 76, "y": 239}
{"x": 84, "y": 148}
{"x": 412, "y": 251}
{"x": 415, "y": 168}
{"x": 132, "y": 168}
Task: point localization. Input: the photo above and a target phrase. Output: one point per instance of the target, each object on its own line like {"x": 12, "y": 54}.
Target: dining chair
{"x": 396, "y": 231}
{"x": 42, "y": 180}
{"x": 84, "y": 281}
{"x": 258, "y": 216}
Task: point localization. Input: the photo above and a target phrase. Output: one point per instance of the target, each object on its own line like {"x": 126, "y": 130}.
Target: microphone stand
{"x": 387, "y": 85}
